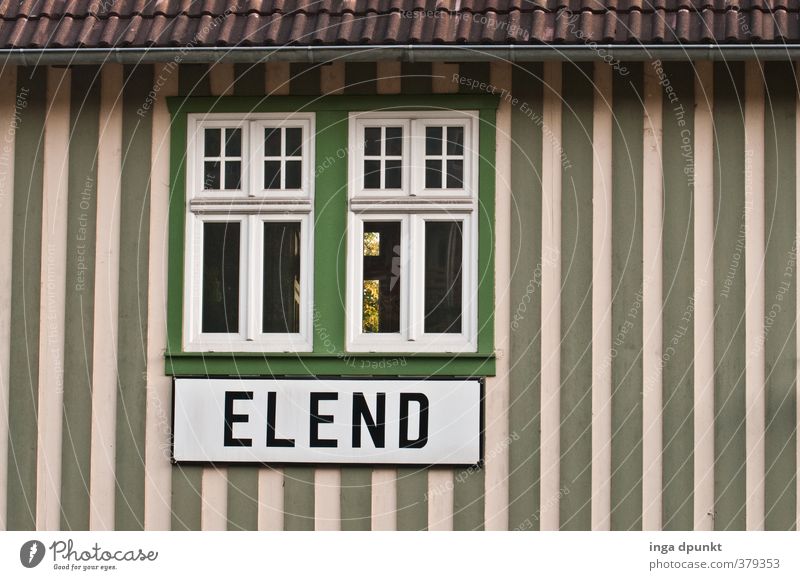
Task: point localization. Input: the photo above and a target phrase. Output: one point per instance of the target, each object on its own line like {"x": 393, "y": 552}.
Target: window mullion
{"x": 414, "y": 277}
{"x": 251, "y": 279}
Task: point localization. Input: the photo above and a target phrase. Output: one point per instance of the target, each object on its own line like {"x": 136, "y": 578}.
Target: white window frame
{"x": 413, "y": 207}
{"x": 356, "y": 135}
{"x": 251, "y": 206}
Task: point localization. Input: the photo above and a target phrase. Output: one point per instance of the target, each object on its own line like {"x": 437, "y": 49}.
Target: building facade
{"x": 621, "y": 202}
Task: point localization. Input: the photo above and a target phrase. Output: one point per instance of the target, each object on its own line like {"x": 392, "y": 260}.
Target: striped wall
{"x": 645, "y": 292}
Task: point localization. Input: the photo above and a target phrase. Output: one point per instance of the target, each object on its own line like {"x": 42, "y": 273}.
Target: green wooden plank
{"x": 25, "y": 295}
{"x": 304, "y": 79}
{"x": 133, "y": 278}
{"x": 298, "y": 498}
{"x": 780, "y": 176}
{"x": 187, "y": 495}
{"x": 729, "y": 298}
{"x": 678, "y": 295}
{"x": 626, "y": 307}
{"x": 412, "y": 499}
{"x": 576, "y": 298}
{"x": 242, "y": 497}
{"x": 187, "y": 481}
{"x": 356, "y": 498}
{"x": 526, "y": 299}
{"x": 468, "y": 499}
{"x": 360, "y": 78}
{"x": 79, "y": 305}
{"x": 417, "y": 78}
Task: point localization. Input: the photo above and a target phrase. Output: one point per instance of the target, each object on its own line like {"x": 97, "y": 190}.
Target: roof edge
{"x": 610, "y": 53}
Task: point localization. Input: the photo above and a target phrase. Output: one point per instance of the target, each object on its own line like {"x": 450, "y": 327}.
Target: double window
{"x": 411, "y": 240}
{"x": 249, "y": 216}
{"x": 412, "y": 271}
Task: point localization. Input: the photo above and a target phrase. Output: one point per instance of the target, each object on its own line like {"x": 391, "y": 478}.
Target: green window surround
{"x": 329, "y": 356}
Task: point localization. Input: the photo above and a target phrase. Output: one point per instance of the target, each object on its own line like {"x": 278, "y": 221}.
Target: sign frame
{"x": 224, "y": 463}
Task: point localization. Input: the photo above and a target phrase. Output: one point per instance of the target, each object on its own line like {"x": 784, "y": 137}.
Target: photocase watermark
{"x": 83, "y": 234}
{"x": 550, "y": 257}
{"x": 328, "y": 345}
{"x": 547, "y": 506}
{"x": 464, "y": 474}
{"x": 679, "y": 115}
{"x": 601, "y": 52}
{"x": 524, "y": 108}
{"x": 624, "y": 330}
{"x": 55, "y": 339}
{"x": 670, "y": 347}
{"x": 773, "y": 311}
{"x": 741, "y": 235}
{"x": 513, "y": 29}
{"x": 172, "y": 66}
{"x": 66, "y": 556}
{"x": 20, "y": 103}
{"x": 330, "y": 161}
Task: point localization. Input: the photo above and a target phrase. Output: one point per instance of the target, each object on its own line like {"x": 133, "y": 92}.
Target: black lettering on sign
{"x": 422, "y": 438}
{"x": 317, "y": 420}
{"x": 230, "y": 418}
{"x": 376, "y": 427}
{"x": 273, "y": 441}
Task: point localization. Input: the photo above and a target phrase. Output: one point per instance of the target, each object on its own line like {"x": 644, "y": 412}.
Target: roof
{"x": 264, "y": 23}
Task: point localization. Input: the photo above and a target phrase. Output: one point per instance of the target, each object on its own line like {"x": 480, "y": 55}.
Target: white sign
{"x": 423, "y": 422}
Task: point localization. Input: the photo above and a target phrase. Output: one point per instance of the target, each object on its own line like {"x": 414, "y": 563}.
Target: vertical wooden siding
{"x": 595, "y": 476}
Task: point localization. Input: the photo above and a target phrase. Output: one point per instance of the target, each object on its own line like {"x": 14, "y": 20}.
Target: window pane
{"x": 455, "y": 173}
{"x": 433, "y": 140}
{"x": 455, "y": 140}
{"x": 233, "y": 175}
{"x": 372, "y": 141}
{"x": 220, "y": 277}
{"x": 372, "y": 174}
{"x": 372, "y": 243}
{"x": 433, "y": 173}
{"x": 212, "y": 142}
{"x": 233, "y": 142}
{"x": 293, "y": 175}
{"x": 272, "y": 175}
{"x": 394, "y": 141}
{"x": 381, "y": 286}
{"x": 443, "y": 257}
{"x": 211, "y": 179}
{"x": 393, "y": 178}
{"x": 272, "y": 142}
{"x": 281, "y": 312}
{"x": 294, "y": 141}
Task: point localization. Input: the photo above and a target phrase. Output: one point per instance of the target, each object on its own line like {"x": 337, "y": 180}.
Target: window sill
{"x": 318, "y": 364}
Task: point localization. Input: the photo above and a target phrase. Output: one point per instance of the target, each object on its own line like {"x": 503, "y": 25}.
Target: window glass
{"x": 383, "y": 157}
{"x": 381, "y": 282}
{"x": 247, "y": 261}
{"x": 222, "y": 166}
{"x": 444, "y": 157}
{"x": 220, "y": 312}
{"x": 281, "y": 283}
{"x": 443, "y": 264}
{"x": 283, "y": 162}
